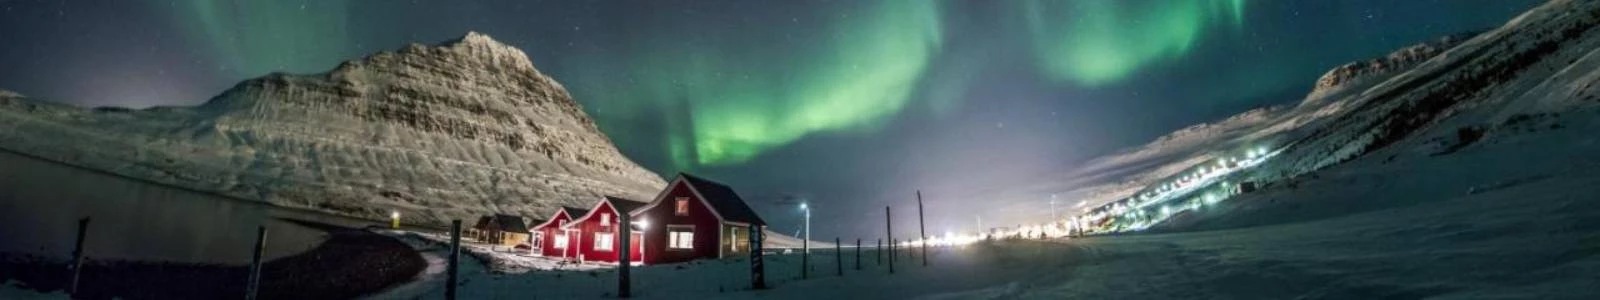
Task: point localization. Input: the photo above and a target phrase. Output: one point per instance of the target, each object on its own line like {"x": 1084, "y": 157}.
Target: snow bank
{"x": 10, "y": 290}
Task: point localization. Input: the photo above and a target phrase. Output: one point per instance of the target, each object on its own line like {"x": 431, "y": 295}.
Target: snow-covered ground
{"x": 1511, "y": 219}
{"x": 1471, "y": 174}
{"x": 10, "y": 290}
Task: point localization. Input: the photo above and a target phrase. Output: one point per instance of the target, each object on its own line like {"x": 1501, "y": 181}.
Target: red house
{"x": 595, "y": 236}
{"x": 551, "y": 239}
{"x": 695, "y": 218}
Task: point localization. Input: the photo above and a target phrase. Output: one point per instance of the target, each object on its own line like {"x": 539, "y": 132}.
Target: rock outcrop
{"x": 1399, "y": 60}
{"x": 438, "y": 132}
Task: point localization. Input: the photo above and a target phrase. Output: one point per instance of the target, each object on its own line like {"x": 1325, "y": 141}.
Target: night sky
{"x": 851, "y": 105}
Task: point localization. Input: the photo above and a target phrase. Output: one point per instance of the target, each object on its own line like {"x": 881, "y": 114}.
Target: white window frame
{"x": 680, "y": 206}
{"x": 561, "y": 241}
{"x": 680, "y": 237}
{"x": 604, "y": 241}
{"x": 605, "y": 219}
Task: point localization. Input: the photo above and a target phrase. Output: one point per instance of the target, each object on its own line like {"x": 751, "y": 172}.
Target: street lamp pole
{"x": 805, "y": 244}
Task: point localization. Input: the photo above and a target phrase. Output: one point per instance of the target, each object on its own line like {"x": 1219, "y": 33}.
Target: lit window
{"x": 602, "y": 241}
{"x": 683, "y": 206}
{"x": 605, "y": 220}
{"x": 561, "y": 241}
{"x": 680, "y": 237}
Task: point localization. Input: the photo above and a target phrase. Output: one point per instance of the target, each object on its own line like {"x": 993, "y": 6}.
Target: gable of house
{"x": 598, "y": 233}
{"x": 729, "y": 206}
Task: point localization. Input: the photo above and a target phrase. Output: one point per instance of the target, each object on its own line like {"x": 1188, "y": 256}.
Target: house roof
{"x": 724, "y": 200}
{"x": 482, "y": 224}
{"x": 574, "y": 212}
{"x": 623, "y": 205}
{"x": 571, "y": 212}
{"x": 510, "y": 223}
{"x": 620, "y": 205}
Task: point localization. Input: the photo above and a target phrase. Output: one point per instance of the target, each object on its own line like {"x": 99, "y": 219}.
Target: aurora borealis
{"x": 1098, "y": 42}
{"x": 849, "y": 103}
{"x": 847, "y": 73}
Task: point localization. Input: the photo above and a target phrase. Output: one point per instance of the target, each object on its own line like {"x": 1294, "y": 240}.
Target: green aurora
{"x": 1096, "y": 42}
{"x": 725, "y": 93}
{"x": 253, "y": 38}
{"x": 749, "y": 93}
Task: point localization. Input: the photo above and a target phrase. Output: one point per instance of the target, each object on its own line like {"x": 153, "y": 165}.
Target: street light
{"x": 805, "y": 244}
{"x": 394, "y": 219}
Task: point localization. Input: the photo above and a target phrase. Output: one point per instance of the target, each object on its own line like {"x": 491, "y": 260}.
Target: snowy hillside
{"x": 437, "y": 132}
{"x": 1469, "y": 174}
{"x": 1423, "y": 101}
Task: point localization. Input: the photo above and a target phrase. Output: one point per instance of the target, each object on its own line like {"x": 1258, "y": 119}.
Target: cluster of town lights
{"x": 1204, "y": 185}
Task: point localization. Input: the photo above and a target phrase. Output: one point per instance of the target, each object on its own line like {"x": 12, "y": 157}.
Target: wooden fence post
{"x": 805, "y": 257}
{"x": 253, "y": 286}
{"x": 624, "y": 258}
{"x": 455, "y": 259}
{"x": 888, "y": 225}
{"x": 922, "y": 229}
{"x": 77, "y": 255}
{"x": 758, "y": 270}
{"x": 838, "y": 256}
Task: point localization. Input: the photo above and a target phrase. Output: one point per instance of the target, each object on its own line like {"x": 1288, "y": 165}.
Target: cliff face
{"x": 1396, "y": 61}
{"x": 437, "y": 132}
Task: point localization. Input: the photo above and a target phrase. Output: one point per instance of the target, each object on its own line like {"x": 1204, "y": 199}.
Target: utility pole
{"x": 858, "y": 254}
{"x": 922, "y": 228}
{"x": 888, "y": 225}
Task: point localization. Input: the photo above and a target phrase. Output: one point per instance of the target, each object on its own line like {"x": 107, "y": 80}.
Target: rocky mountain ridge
{"x": 1399, "y": 60}
{"x": 438, "y": 132}
{"x": 1534, "y": 74}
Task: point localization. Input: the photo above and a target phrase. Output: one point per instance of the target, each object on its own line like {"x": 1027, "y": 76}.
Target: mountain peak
{"x": 473, "y": 50}
{"x": 438, "y": 131}
{"x": 474, "y": 37}
{"x": 482, "y": 46}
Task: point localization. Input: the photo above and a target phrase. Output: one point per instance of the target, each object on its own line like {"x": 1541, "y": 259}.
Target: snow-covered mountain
{"x": 1420, "y": 102}
{"x": 436, "y": 132}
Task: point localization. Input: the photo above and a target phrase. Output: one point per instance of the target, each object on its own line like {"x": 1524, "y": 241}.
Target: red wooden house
{"x": 695, "y": 218}
{"x": 551, "y": 238}
{"x": 596, "y": 235}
